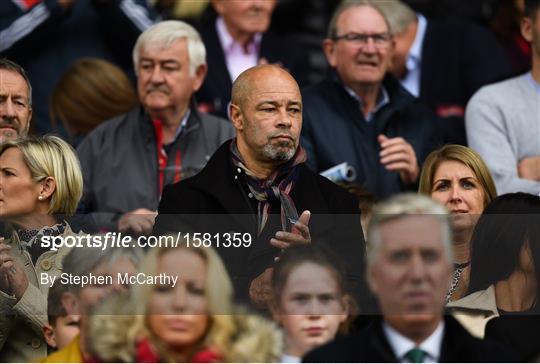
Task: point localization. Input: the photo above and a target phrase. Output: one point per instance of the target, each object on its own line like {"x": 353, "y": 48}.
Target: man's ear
{"x": 70, "y": 303}
{"x": 392, "y": 48}
{"x": 48, "y": 186}
{"x": 200, "y": 75}
{"x": 527, "y": 28}
{"x": 372, "y": 282}
{"x": 393, "y": 44}
{"x": 329, "y": 48}
{"x": 237, "y": 119}
{"x": 30, "y": 113}
{"x": 48, "y": 334}
{"x": 218, "y": 6}
{"x": 349, "y": 308}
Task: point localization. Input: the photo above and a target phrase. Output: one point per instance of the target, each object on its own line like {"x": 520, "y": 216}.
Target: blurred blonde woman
{"x": 457, "y": 177}
{"x": 40, "y": 186}
{"x": 190, "y": 321}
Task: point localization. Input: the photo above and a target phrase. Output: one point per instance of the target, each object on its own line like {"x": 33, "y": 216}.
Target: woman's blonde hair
{"x": 237, "y": 336}
{"x": 219, "y": 295}
{"x": 462, "y": 154}
{"x": 50, "y": 156}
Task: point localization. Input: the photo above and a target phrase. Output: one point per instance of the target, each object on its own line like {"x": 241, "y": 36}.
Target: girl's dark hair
{"x": 55, "y": 308}
{"x": 310, "y": 253}
{"x": 506, "y": 225}
{"x": 316, "y": 254}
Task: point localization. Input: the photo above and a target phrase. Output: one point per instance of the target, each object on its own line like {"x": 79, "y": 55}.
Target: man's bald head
{"x": 266, "y": 111}
{"x": 246, "y": 82}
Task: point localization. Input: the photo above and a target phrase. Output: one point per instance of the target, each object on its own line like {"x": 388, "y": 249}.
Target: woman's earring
{"x": 40, "y": 198}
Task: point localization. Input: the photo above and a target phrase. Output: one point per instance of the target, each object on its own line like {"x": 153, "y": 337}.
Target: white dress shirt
{"x": 285, "y": 358}
{"x": 411, "y": 81}
{"x": 382, "y": 100}
{"x": 402, "y": 345}
{"x": 533, "y": 82}
{"x": 237, "y": 58}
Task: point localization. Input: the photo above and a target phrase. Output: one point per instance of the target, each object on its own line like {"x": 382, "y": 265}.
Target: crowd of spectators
{"x": 334, "y": 181}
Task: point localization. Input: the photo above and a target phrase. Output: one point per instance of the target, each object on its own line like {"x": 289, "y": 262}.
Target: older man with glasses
{"x": 360, "y": 114}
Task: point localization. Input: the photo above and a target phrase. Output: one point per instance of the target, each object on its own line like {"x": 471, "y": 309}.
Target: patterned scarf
{"x": 31, "y": 239}
{"x": 270, "y": 190}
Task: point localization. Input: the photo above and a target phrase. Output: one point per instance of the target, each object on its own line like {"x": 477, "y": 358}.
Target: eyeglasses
{"x": 380, "y": 40}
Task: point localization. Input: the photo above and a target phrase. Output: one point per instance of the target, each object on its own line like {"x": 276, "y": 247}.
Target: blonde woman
{"x": 457, "y": 177}
{"x": 40, "y": 185}
{"x": 191, "y": 320}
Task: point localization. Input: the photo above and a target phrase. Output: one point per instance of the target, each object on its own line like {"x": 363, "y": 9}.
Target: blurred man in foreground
{"x": 409, "y": 270}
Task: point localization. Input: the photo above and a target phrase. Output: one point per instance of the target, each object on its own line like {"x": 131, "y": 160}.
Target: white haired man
{"x": 129, "y": 159}
{"x": 409, "y": 270}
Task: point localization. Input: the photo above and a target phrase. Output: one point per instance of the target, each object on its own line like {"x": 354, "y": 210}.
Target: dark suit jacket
{"x": 458, "y": 59}
{"x": 215, "y": 93}
{"x": 371, "y": 346}
{"x": 216, "y": 200}
{"x": 334, "y": 131}
{"x": 520, "y": 331}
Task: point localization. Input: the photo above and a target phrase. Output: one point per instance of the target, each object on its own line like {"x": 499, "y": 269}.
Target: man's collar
{"x": 415, "y": 52}
{"x": 383, "y": 98}
{"x": 183, "y": 124}
{"x": 402, "y": 345}
{"x": 285, "y": 358}
{"x": 228, "y": 43}
{"x": 533, "y": 82}
{"x": 147, "y": 120}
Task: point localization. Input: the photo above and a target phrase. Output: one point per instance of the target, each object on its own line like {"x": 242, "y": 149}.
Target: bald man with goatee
{"x": 258, "y": 186}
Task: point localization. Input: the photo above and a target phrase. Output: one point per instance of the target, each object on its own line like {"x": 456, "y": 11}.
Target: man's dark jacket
{"x": 335, "y": 131}
{"x": 458, "y": 59}
{"x": 216, "y": 200}
{"x": 518, "y": 330}
{"x": 215, "y": 93}
{"x": 371, "y": 346}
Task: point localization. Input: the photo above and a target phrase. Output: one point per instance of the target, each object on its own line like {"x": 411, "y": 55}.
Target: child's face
{"x": 311, "y": 308}
{"x": 62, "y": 332}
